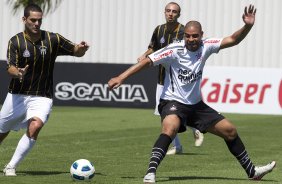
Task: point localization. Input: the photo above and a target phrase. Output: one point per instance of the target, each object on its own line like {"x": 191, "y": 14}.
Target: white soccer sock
{"x": 24, "y": 146}
{"x": 176, "y": 142}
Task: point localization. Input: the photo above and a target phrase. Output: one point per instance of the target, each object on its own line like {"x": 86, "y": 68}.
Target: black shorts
{"x": 199, "y": 116}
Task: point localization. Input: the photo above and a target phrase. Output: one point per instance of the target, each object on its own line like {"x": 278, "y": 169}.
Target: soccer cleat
{"x": 199, "y": 138}
{"x": 9, "y": 171}
{"x": 174, "y": 150}
{"x": 260, "y": 171}
{"x": 150, "y": 178}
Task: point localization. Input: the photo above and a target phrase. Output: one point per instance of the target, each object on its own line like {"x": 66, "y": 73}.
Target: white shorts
{"x": 18, "y": 109}
{"x": 159, "y": 91}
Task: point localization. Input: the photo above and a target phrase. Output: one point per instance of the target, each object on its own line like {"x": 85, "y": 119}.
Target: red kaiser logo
{"x": 248, "y": 93}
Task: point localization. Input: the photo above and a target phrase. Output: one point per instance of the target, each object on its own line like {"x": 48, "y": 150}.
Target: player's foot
{"x": 9, "y": 171}
{"x": 174, "y": 150}
{"x": 260, "y": 171}
{"x": 199, "y": 138}
{"x": 150, "y": 178}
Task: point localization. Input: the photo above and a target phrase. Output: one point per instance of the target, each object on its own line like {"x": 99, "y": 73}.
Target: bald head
{"x": 194, "y": 25}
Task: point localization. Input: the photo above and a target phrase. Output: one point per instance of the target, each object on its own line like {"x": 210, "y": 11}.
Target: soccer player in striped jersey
{"x": 31, "y": 56}
{"x": 181, "y": 101}
{"x": 171, "y": 31}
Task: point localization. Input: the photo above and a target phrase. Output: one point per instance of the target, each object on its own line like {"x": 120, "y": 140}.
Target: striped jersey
{"x": 40, "y": 56}
{"x": 184, "y": 69}
{"x": 162, "y": 37}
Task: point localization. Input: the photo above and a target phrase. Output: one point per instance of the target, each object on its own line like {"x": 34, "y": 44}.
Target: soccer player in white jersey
{"x": 163, "y": 35}
{"x": 182, "y": 103}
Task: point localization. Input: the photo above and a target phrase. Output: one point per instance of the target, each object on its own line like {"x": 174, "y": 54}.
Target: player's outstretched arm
{"x": 238, "y": 36}
{"x": 117, "y": 81}
{"x": 80, "y": 49}
{"x": 143, "y": 56}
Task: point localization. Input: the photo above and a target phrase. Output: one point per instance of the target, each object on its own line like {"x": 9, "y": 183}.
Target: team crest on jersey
{"x": 199, "y": 55}
{"x": 173, "y": 108}
{"x": 162, "y": 40}
{"x": 26, "y": 53}
{"x": 43, "y": 50}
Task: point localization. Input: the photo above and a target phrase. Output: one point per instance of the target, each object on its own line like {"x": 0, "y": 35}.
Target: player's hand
{"x": 249, "y": 15}
{"x": 114, "y": 83}
{"x": 22, "y": 72}
{"x": 81, "y": 48}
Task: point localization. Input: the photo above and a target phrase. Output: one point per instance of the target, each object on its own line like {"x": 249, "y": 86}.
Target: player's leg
{"x": 176, "y": 147}
{"x": 12, "y": 112}
{"x": 159, "y": 90}
{"x": 198, "y": 136}
{"x": 228, "y": 132}
{"x": 170, "y": 126}
{"x": 37, "y": 115}
{"x": 26, "y": 143}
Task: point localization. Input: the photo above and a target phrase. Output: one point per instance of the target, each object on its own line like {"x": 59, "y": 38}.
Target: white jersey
{"x": 184, "y": 69}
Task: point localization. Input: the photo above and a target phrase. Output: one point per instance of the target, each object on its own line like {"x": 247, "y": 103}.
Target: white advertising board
{"x": 243, "y": 90}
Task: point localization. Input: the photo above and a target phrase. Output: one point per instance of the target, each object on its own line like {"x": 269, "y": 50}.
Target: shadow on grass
{"x": 181, "y": 178}
{"x": 187, "y": 154}
{"x": 46, "y": 173}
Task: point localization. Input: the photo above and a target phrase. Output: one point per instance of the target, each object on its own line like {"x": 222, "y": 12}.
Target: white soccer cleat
{"x": 9, "y": 171}
{"x": 199, "y": 138}
{"x": 174, "y": 150}
{"x": 149, "y": 178}
{"x": 260, "y": 171}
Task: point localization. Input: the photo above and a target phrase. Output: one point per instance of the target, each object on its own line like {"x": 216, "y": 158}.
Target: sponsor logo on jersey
{"x": 180, "y": 51}
{"x": 26, "y": 54}
{"x": 211, "y": 41}
{"x": 162, "y": 55}
{"x": 187, "y": 76}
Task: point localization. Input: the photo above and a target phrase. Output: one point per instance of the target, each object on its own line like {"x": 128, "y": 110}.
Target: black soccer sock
{"x": 158, "y": 152}
{"x": 237, "y": 148}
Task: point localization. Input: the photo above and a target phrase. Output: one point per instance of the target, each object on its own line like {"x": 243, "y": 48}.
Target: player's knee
{"x": 231, "y": 133}
{"x": 35, "y": 125}
{"x": 34, "y": 128}
{"x": 170, "y": 125}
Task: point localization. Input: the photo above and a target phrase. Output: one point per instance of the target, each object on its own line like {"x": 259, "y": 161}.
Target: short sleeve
{"x": 162, "y": 56}
{"x": 12, "y": 54}
{"x": 66, "y": 47}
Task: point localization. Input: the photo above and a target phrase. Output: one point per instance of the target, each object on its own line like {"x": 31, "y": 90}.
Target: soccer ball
{"x": 82, "y": 170}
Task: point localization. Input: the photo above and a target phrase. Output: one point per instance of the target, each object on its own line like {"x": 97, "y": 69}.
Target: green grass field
{"x": 119, "y": 142}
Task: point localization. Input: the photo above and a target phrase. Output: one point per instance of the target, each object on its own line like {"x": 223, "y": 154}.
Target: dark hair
{"x": 31, "y": 7}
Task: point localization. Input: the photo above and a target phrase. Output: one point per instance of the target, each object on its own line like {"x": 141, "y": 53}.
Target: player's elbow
{"x": 79, "y": 54}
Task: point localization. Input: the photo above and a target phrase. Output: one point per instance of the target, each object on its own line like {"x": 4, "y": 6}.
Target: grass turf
{"x": 119, "y": 141}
